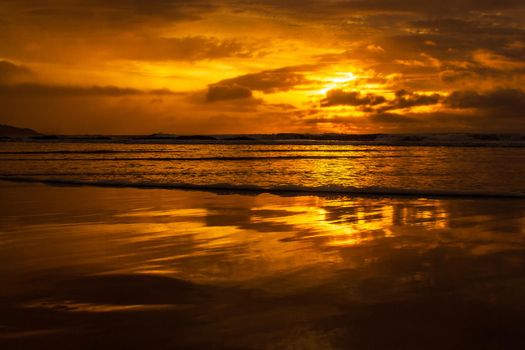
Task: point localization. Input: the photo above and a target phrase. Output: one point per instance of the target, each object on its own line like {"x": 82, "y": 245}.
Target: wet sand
{"x": 116, "y": 268}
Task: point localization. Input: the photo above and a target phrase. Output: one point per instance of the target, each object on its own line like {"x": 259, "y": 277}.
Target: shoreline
{"x": 285, "y": 191}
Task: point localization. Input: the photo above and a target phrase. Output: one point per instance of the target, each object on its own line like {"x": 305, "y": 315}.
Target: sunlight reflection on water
{"x": 205, "y": 237}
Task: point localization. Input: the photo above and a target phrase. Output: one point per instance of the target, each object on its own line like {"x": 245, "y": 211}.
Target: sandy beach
{"x": 88, "y": 267}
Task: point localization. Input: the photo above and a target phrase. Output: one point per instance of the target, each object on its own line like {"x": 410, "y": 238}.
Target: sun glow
{"x": 344, "y": 77}
{"x": 336, "y": 80}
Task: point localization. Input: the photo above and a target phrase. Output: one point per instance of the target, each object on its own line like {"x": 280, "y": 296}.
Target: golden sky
{"x": 240, "y": 66}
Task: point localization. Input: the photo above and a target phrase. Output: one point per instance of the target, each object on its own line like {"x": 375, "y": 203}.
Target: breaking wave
{"x": 452, "y": 140}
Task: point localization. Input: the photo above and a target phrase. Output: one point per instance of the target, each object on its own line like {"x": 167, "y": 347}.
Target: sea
{"x": 447, "y": 165}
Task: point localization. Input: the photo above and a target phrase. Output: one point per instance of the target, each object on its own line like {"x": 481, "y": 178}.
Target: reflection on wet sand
{"x": 125, "y": 268}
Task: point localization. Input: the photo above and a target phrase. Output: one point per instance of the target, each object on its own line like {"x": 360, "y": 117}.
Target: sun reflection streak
{"x": 243, "y": 239}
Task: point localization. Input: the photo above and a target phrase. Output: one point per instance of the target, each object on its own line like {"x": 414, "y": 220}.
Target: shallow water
{"x": 87, "y": 267}
{"x": 335, "y": 168}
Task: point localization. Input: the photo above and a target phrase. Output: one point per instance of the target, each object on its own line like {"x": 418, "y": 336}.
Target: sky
{"x": 240, "y": 66}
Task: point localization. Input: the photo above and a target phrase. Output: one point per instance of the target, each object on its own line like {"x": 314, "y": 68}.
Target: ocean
{"x": 482, "y": 170}
{"x": 252, "y": 245}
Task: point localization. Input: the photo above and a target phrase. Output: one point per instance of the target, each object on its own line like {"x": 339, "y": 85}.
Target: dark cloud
{"x": 460, "y": 39}
{"x": 39, "y": 90}
{"x": 377, "y": 103}
{"x": 431, "y": 6}
{"x": 494, "y": 26}
{"x": 486, "y": 66}
{"x": 474, "y": 73}
{"x": 337, "y": 9}
{"x": 509, "y": 101}
{"x": 405, "y": 99}
{"x": 10, "y": 72}
{"x": 499, "y": 110}
{"x": 185, "y": 49}
{"x": 172, "y": 9}
{"x": 227, "y": 92}
{"x": 339, "y": 97}
{"x": 503, "y": 102}
{"x": 113, "y": 13}
{"x": 281, "y": 79}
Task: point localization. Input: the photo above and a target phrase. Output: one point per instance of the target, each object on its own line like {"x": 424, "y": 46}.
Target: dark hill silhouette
{"x": 13, "y": 131}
